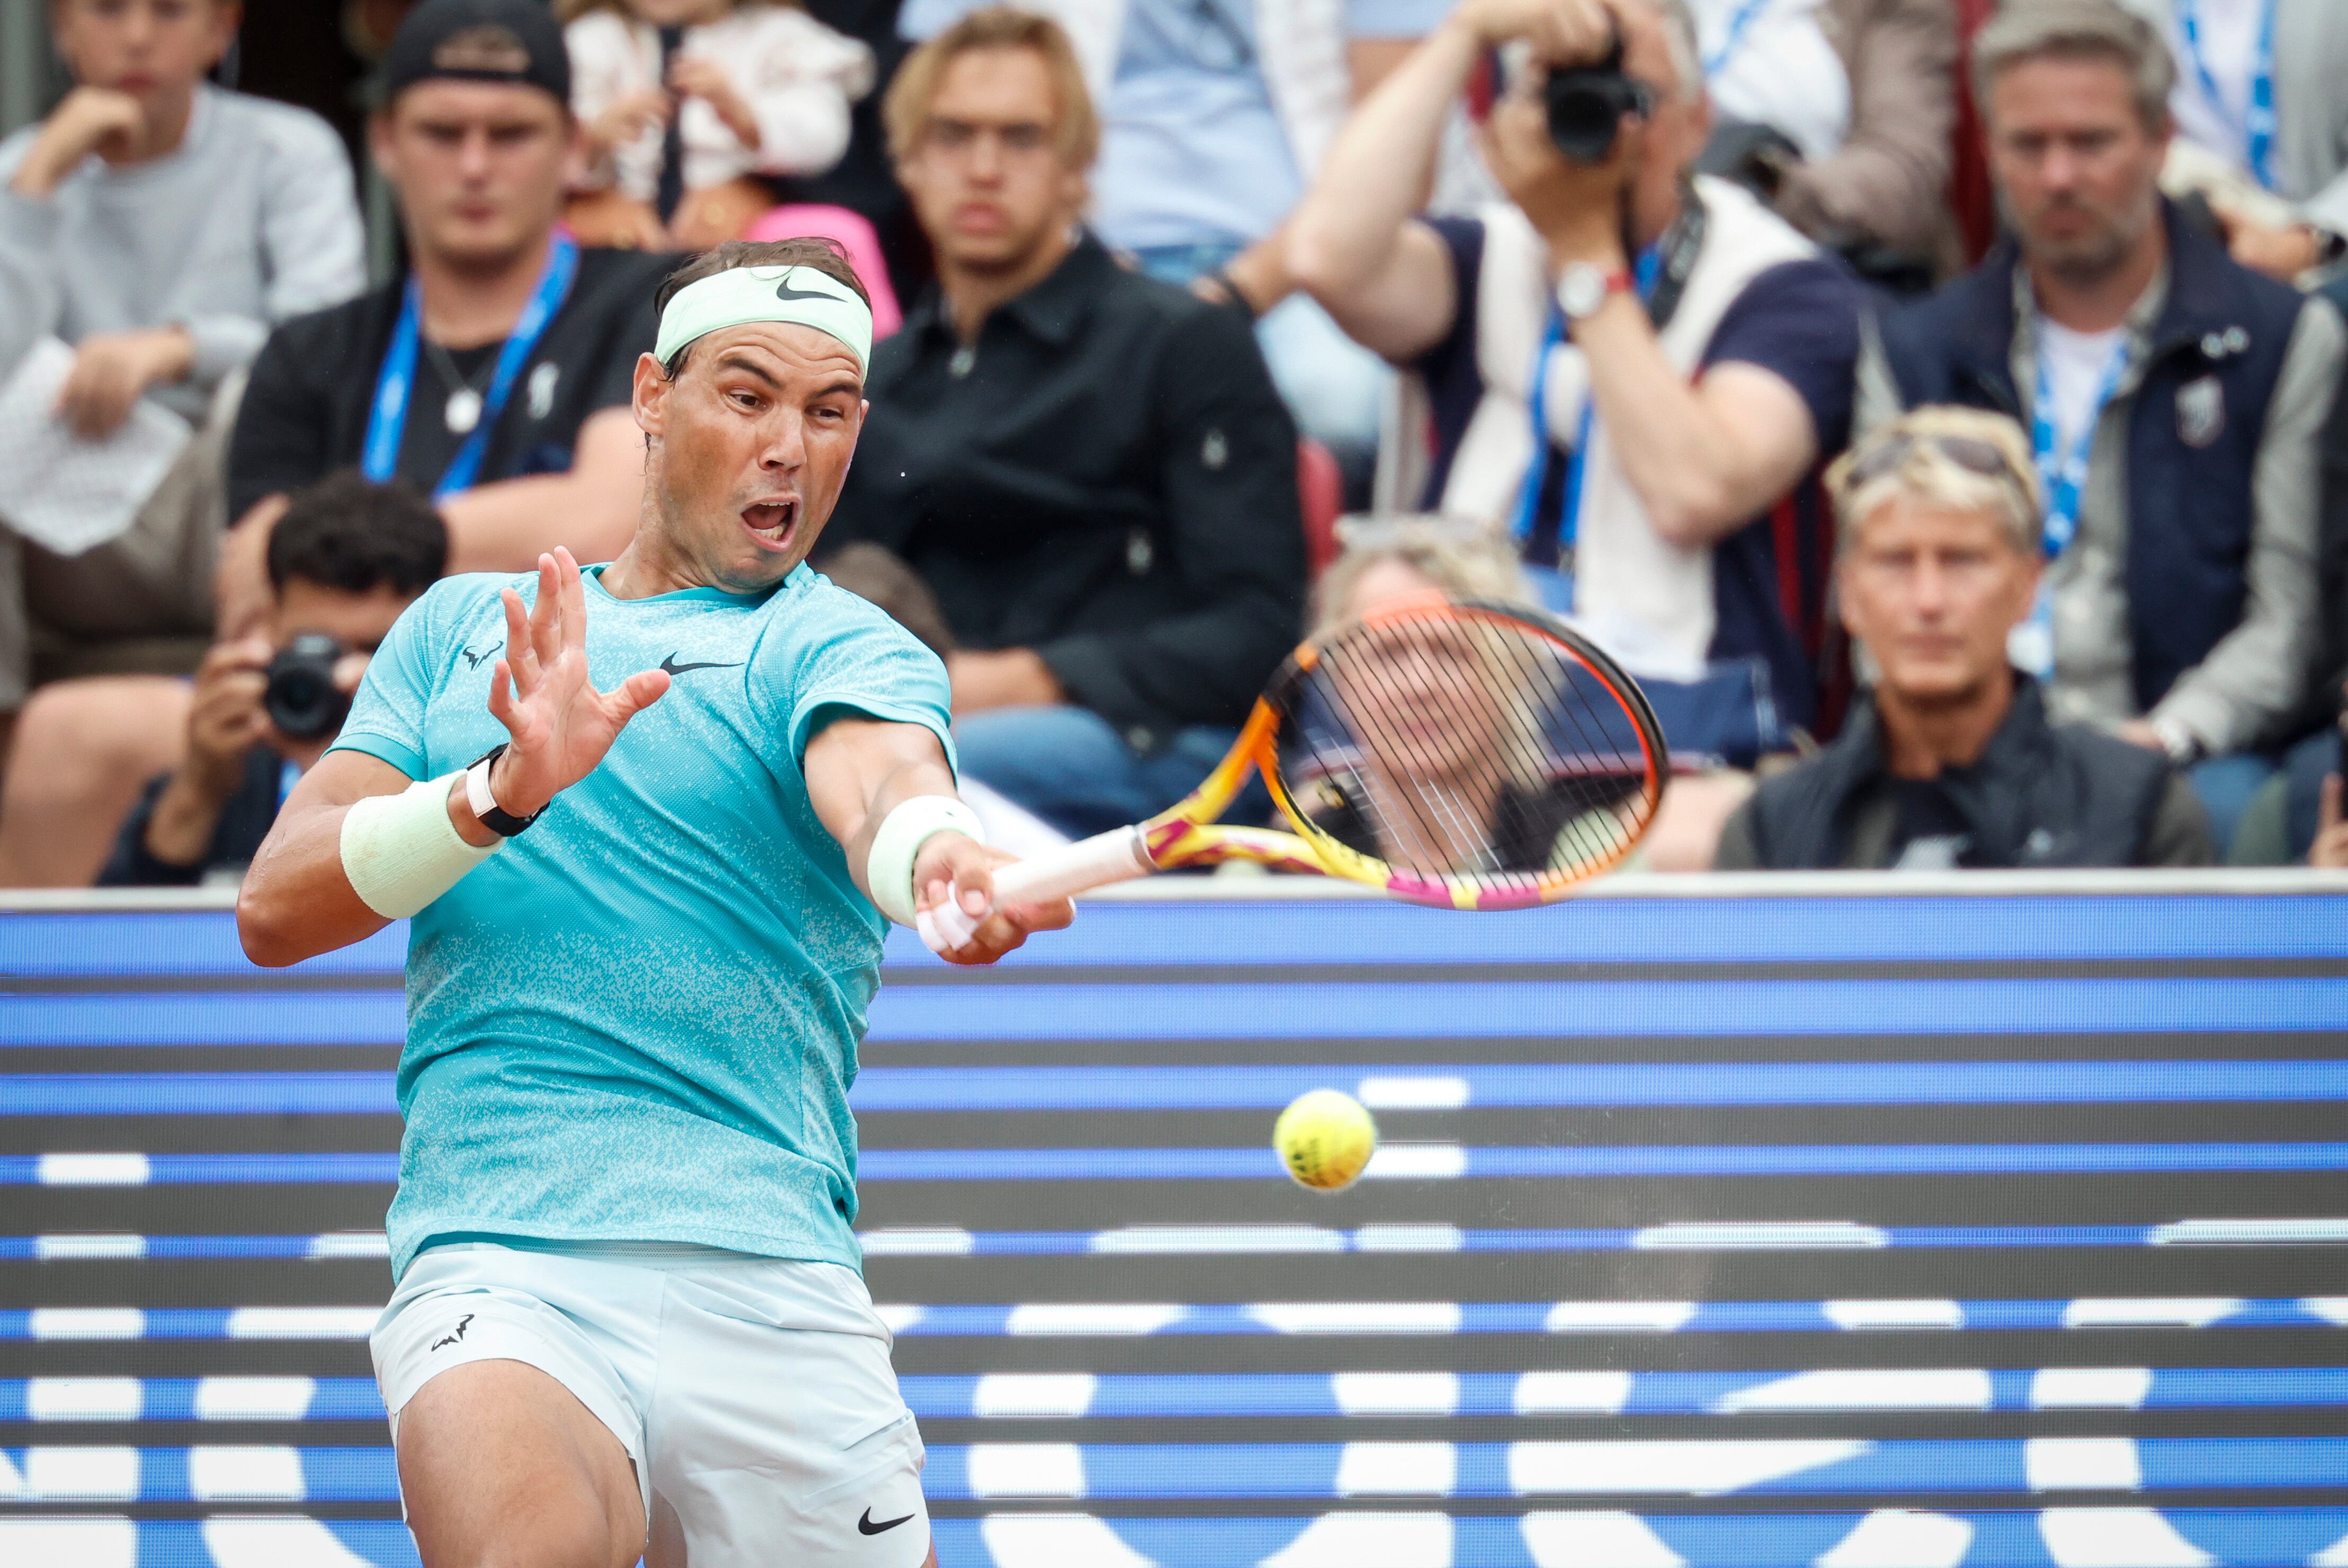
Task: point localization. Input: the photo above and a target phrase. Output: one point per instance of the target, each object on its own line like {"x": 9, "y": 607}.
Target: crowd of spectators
{"x": 2034, "y": 557}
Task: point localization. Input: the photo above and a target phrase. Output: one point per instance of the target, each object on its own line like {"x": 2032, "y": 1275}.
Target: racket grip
{"x": 1116, "y": 856}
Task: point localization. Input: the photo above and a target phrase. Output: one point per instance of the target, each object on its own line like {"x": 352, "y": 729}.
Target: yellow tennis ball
{"x": 1326, "y": 1138}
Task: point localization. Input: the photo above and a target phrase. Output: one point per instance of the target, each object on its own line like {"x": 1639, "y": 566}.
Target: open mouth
{"x": 771, "y": 522}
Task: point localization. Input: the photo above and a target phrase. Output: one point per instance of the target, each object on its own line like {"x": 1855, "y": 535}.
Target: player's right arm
{"x": 316, "y": 884}
{"x": 297, "y": 900}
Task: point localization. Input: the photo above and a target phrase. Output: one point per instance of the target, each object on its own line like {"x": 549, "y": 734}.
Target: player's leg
{"x": 778, "y": 1437}
{"x": 500, "y": 1464}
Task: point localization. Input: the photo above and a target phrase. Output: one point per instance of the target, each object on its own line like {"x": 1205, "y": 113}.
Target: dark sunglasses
{"x": 1974, "y": 456}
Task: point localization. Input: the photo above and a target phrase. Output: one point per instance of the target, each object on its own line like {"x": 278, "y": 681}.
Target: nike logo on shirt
{"x": 670, "y": 667}
{"x": 865, "y": 1526}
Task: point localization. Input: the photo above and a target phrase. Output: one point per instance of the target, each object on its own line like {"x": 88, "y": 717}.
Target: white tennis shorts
{"x": 754, "y": 1395}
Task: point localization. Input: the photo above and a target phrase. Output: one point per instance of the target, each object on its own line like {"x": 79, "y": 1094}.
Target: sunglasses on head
{"x": 1969, "y": 453}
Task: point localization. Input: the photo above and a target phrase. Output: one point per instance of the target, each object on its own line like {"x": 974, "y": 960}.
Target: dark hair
{"x": 347, "y": 534}
{"x": 824, "y": 254}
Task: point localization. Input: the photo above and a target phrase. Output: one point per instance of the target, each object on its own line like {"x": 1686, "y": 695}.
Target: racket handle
{"x": 1116, "y": 856}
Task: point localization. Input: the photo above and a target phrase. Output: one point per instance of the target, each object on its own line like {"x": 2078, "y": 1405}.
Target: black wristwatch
{"x": 494, "y": 817}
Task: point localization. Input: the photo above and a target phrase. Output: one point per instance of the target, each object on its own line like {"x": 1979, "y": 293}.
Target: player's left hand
{"x": 954, "y": 881}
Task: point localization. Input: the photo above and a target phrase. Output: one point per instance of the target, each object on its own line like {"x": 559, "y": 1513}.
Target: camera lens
{"x": 302, "y": 700}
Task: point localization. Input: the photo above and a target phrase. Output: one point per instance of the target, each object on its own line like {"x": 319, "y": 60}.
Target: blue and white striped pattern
{"x": 1844, "y": 930}
{"x": 1686, "y": 1468}
{"x": 1111, "y": 1319}
{"x": 1220, "y": 1240}
{"x": 1394, "y": 1162}
{"x": 1247, "y": 1010}
{"x": 1258, "y": 1088}
{"x": 1016, "y": 1395}
{"x": 2051, "y": 1538}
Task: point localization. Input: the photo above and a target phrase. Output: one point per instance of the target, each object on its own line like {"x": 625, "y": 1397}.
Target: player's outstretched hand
{"x": 953, "y": 880}
{"x": 559, "y": 724}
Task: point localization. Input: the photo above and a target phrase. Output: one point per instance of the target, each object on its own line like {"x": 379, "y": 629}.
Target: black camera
{"x": 302, "y": 700}
{"x": 1586, "y": 106}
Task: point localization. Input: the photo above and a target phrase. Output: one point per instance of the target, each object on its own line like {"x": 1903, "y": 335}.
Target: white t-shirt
{"x": 2228, "y": 30}
{"x": 1780, "y": 70}
{"x": 2076, "y": 363}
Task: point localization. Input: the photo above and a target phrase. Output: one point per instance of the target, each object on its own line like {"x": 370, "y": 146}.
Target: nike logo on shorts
{"x": 865, "y": 1526}
{"x": 670, "y": 667}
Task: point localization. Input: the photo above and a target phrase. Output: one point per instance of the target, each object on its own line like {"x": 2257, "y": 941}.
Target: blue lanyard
{"x": 1649, "y": 270}
{"x": 2063, "y": 473}
{"x": 1738, "y": 25}
{"x": 2259, "y": 122}
{"x": 388, "y": 421}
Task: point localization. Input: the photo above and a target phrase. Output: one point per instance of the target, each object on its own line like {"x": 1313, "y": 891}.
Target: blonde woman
{"x": 1437, "y": 776}
{"x": 686, "y": 102}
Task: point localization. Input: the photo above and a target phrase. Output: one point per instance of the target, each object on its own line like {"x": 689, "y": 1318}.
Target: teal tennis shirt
{"x": 639, "y": 1020}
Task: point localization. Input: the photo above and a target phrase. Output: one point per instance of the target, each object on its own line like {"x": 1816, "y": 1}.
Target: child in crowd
{"x": 687, "y": 102}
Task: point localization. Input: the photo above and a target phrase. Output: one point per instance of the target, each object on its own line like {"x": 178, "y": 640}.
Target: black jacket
{"x": 2041, "y": 795}
{"x": 1106, "y": 477}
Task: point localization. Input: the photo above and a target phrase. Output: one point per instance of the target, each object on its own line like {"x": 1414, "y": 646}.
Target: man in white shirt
{"x": 2177, "y": 402}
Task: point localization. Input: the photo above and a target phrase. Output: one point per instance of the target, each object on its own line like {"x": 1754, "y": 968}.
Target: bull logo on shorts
{"x": 445, "y": 1341}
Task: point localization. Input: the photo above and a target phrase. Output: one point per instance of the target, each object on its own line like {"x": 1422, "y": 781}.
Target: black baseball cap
{"x": 477, "y": 41}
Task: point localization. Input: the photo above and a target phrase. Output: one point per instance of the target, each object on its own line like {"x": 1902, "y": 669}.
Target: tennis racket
{"x": 1462, "y": 754}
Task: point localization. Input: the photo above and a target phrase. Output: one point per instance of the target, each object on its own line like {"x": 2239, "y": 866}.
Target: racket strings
{"x": 1467, "y": 747}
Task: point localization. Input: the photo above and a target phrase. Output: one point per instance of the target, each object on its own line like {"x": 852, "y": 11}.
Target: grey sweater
{"x": 253, "y": 219}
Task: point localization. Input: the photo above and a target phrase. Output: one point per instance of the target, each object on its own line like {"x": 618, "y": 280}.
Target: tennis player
{"x": 640, "y": 816}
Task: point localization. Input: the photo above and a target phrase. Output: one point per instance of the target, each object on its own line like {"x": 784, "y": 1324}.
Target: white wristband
{"x": 889, "y": 870}
{"x": 401, "y": 851}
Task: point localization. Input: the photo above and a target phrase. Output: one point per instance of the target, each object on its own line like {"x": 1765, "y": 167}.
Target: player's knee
{"x": 541, "y": 1553}
{"x": 534, "y": 1541}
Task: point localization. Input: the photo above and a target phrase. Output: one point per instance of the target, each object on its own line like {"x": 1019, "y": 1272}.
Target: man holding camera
{"x": 1640, "y": 367}
{"x": 345, "y": 559}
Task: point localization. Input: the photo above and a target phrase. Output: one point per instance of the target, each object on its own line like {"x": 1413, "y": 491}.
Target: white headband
{"x": 801, "y": 297}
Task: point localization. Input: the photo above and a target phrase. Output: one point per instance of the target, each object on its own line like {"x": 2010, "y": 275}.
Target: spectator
{"x": 1955, "y": 762}
{"x": 345, "y": 559}
{"x": 1682, "y": 410}
{"x": 2329, "y": 851}
{"x": 687, "y": 102}
{"x": 1090, "y": 469}
{"x": 1390, "y": 558}
{"x": 160, "y": 227}
{"x": 2176, "y": 399}
{"x": 1216, "y": 114}
{"x": 1840, "y": 110}
{"x": 459, "y": 378}
{"x": 2262, "y": 123}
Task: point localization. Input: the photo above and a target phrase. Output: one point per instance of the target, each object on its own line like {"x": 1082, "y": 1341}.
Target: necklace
{"x": 463, "y": 409}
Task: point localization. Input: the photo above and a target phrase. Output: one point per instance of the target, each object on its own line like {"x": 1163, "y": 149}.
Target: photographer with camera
{"x": 1642, "y": 368}
{"x": 344, "y": 560}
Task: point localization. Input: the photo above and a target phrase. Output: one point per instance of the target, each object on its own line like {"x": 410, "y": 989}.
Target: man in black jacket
{"x": 1955, "y": 764}
{"x": 1090, "y": 470}
{"x": 344, "y": 561}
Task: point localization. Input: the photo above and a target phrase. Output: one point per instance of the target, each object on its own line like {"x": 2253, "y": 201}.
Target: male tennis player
{"x": 629, "y": 1315}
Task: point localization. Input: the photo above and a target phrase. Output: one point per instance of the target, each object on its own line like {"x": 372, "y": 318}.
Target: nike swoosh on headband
{"x": 739, "y": 297}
